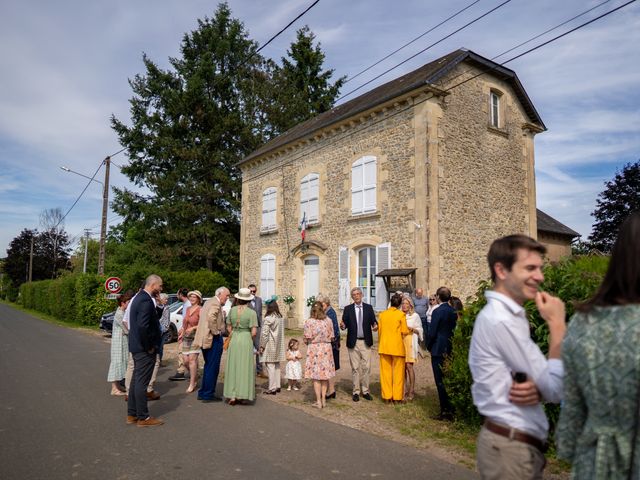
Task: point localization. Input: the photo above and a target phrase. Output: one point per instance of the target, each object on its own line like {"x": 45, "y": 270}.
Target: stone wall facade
{"x": 447, "y": 185}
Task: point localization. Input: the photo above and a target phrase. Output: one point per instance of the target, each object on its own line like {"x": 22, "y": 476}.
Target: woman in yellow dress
{"x": 392, "y": 328}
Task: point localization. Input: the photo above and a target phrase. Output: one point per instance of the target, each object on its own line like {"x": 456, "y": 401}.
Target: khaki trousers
{"x": 500, "y": 458}
{"x": 129, "y": 374}
{"x": 392, "y": 377}
{"x": 360, "y": 360}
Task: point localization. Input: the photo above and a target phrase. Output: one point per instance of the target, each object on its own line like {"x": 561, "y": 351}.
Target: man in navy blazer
{"x": 359, "y": 319}
{"x": 443, "y": 323}
{"x": 144, "y": 338}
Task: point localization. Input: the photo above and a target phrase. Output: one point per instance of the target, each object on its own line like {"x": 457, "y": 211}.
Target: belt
{"x": 360, "y": 338}
{"x": 516, "y": 435}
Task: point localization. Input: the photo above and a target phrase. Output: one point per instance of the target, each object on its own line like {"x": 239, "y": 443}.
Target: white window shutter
{"x": 344, "y": 293}
{"x": 383, "y": 262}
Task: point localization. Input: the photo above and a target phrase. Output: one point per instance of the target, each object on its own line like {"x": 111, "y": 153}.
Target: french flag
{"x": 303, "y": 225}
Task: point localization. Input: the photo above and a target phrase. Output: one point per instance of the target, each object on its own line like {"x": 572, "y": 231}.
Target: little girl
{"x": 293, "y": 370}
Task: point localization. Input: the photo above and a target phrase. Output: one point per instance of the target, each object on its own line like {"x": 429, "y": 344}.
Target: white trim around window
{"x": 309, "y": 197}
{"x": 364, "y": 185}
{"x": 494, "y": 106}
{"x": 269, "y": 208}
{"x": 267, "y": 275}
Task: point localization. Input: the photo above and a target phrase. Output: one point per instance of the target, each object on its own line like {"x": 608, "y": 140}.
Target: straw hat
{"x": 196, "y": 293}
{"x": 244, "y": 294}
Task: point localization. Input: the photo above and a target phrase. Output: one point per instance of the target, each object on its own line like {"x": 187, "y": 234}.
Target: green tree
{"x": 45, "y": 263}
{"x": 190, "y": 125}
{"x": 303, "y": 87}
{"x": 620, "y": 197}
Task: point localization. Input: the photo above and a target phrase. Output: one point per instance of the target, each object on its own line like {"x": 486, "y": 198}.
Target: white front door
{"x": 311, "y": 281}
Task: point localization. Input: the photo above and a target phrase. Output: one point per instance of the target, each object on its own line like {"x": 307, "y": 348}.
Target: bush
{"x": 80, "y": 298}
{"x": 573, "y": 280}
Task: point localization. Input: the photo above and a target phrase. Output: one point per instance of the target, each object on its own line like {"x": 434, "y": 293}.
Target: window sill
{"x": 364, "y": 216}
{"x": 498, "y": 131}
{"x": 268, "y": 231}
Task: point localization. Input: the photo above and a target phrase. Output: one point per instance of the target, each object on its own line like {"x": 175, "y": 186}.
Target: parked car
{"x": 106, "y": 321}
{"x": 175, "y": 318}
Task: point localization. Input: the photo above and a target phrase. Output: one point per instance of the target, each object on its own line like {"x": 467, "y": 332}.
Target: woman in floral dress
{"x": 318, "y": 335}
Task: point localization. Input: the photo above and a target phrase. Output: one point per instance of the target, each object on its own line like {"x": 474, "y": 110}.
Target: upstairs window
{"x": 309, "y": 193}
{"x": 363, "y": 185}
{"x": 495, "y": 120}
{"x": 269, "y": 209}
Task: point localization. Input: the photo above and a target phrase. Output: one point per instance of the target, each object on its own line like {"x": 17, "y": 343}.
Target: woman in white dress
{"x": 411, "y": 343}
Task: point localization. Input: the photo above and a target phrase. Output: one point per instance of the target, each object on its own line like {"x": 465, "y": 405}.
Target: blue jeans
{"x": 211, "y": 370}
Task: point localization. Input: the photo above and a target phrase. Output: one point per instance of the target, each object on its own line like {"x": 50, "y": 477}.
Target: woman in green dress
{"x": 598, "y": 430}
{"x": 240, "y": 369}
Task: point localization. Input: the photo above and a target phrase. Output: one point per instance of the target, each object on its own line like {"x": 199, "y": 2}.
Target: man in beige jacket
{"x": 209, "y": 337}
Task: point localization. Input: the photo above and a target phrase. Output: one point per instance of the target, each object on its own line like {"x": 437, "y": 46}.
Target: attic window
{"x": 494, "y": 107}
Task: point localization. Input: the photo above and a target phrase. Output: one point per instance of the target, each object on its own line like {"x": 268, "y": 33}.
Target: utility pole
{"x": 31, "y": 260}
{"x": 105, "y": 207}
{"x": 87, "y": 232}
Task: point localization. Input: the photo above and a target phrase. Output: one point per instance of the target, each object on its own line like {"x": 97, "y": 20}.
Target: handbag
{"x": 227, "y": 341}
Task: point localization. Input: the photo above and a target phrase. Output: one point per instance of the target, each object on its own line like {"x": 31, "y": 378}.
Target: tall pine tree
{"x": 189, "y": 127}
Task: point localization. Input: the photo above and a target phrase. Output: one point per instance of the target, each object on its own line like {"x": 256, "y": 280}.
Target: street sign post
{"x": 113, "y": 285}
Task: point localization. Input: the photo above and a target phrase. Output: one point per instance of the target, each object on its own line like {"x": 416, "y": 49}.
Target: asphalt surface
{"x": 58, "y": 421}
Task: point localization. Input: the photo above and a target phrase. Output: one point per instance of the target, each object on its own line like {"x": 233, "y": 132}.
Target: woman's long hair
{"x": 621, "y": 284}
{"x": 273, "y": 309}
{"x": 317, "y": 311}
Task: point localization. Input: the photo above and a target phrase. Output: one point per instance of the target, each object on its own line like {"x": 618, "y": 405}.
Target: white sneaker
{"x": 296, "y": 388}
{"x": 289, "y": 388}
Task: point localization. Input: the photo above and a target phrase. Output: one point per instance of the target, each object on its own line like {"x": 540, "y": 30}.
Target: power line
{"x": 550, "y": 30}
{"x": 533, "y": 38}
{"x": 413, "y": 105}
{"x": 425, "y": 49}
{"x": 412, "y": 41}
{"x": 542, "y": 44}
{"x": 288, "y": 25}
{"x": 80, "y": 196}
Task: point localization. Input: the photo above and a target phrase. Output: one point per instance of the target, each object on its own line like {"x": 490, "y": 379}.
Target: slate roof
{"x": 549, "y": 224}
{"x": 426, "y": 75}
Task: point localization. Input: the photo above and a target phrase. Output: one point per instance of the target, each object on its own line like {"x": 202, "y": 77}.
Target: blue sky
{"x": 66, "y": 65}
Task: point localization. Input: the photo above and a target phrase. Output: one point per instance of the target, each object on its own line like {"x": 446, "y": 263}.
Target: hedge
{"x": 80, "y": 298}
{"x": 573, "y": 280}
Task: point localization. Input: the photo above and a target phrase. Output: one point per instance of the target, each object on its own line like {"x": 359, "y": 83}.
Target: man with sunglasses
{"x": 256, "y": 306}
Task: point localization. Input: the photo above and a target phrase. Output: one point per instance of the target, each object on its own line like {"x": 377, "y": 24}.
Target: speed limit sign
{"x": 113, "y": 285}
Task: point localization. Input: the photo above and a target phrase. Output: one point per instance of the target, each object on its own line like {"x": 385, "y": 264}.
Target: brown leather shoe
{"x": 153, "y": 395}
{"x": 150, "y": 422}
{"x": 131, "y": 420}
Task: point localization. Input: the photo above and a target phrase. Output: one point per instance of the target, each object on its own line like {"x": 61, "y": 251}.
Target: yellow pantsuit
{"x": 392, "y": 327}
{"x": 392, "y": 377}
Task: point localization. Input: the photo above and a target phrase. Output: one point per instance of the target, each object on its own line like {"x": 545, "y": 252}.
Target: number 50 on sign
{"x": 113, "y": 285}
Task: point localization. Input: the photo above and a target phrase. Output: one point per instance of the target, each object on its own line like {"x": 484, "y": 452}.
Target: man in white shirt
{"x": 510, "y": 373}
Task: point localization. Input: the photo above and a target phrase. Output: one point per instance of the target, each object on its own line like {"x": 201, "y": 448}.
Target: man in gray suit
{"x": 256, "y": 306}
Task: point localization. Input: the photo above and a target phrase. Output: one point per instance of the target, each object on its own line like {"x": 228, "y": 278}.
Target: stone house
{"x": 556, "y": 236}
{"x": 419, "y": 174}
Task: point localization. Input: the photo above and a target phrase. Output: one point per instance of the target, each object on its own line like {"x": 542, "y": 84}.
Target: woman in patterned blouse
{"x": 598, "y": 427}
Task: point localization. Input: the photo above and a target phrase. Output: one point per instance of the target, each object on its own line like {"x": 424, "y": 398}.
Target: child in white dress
{"x": 293, "y": 370}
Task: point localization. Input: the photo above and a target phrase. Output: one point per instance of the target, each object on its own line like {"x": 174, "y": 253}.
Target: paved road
{"x": 57, "y": 421}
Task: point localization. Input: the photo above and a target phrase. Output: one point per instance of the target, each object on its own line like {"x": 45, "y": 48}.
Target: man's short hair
{"x": 252, "y": 285}
{"x": 219, "y": 290}
{"x": 505, "y": 251}
{"x": 444, "y": 294}
{"x": 151, "y": 279}
{"x": 183, "y": 292}
{"x": 356, "y": 289}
